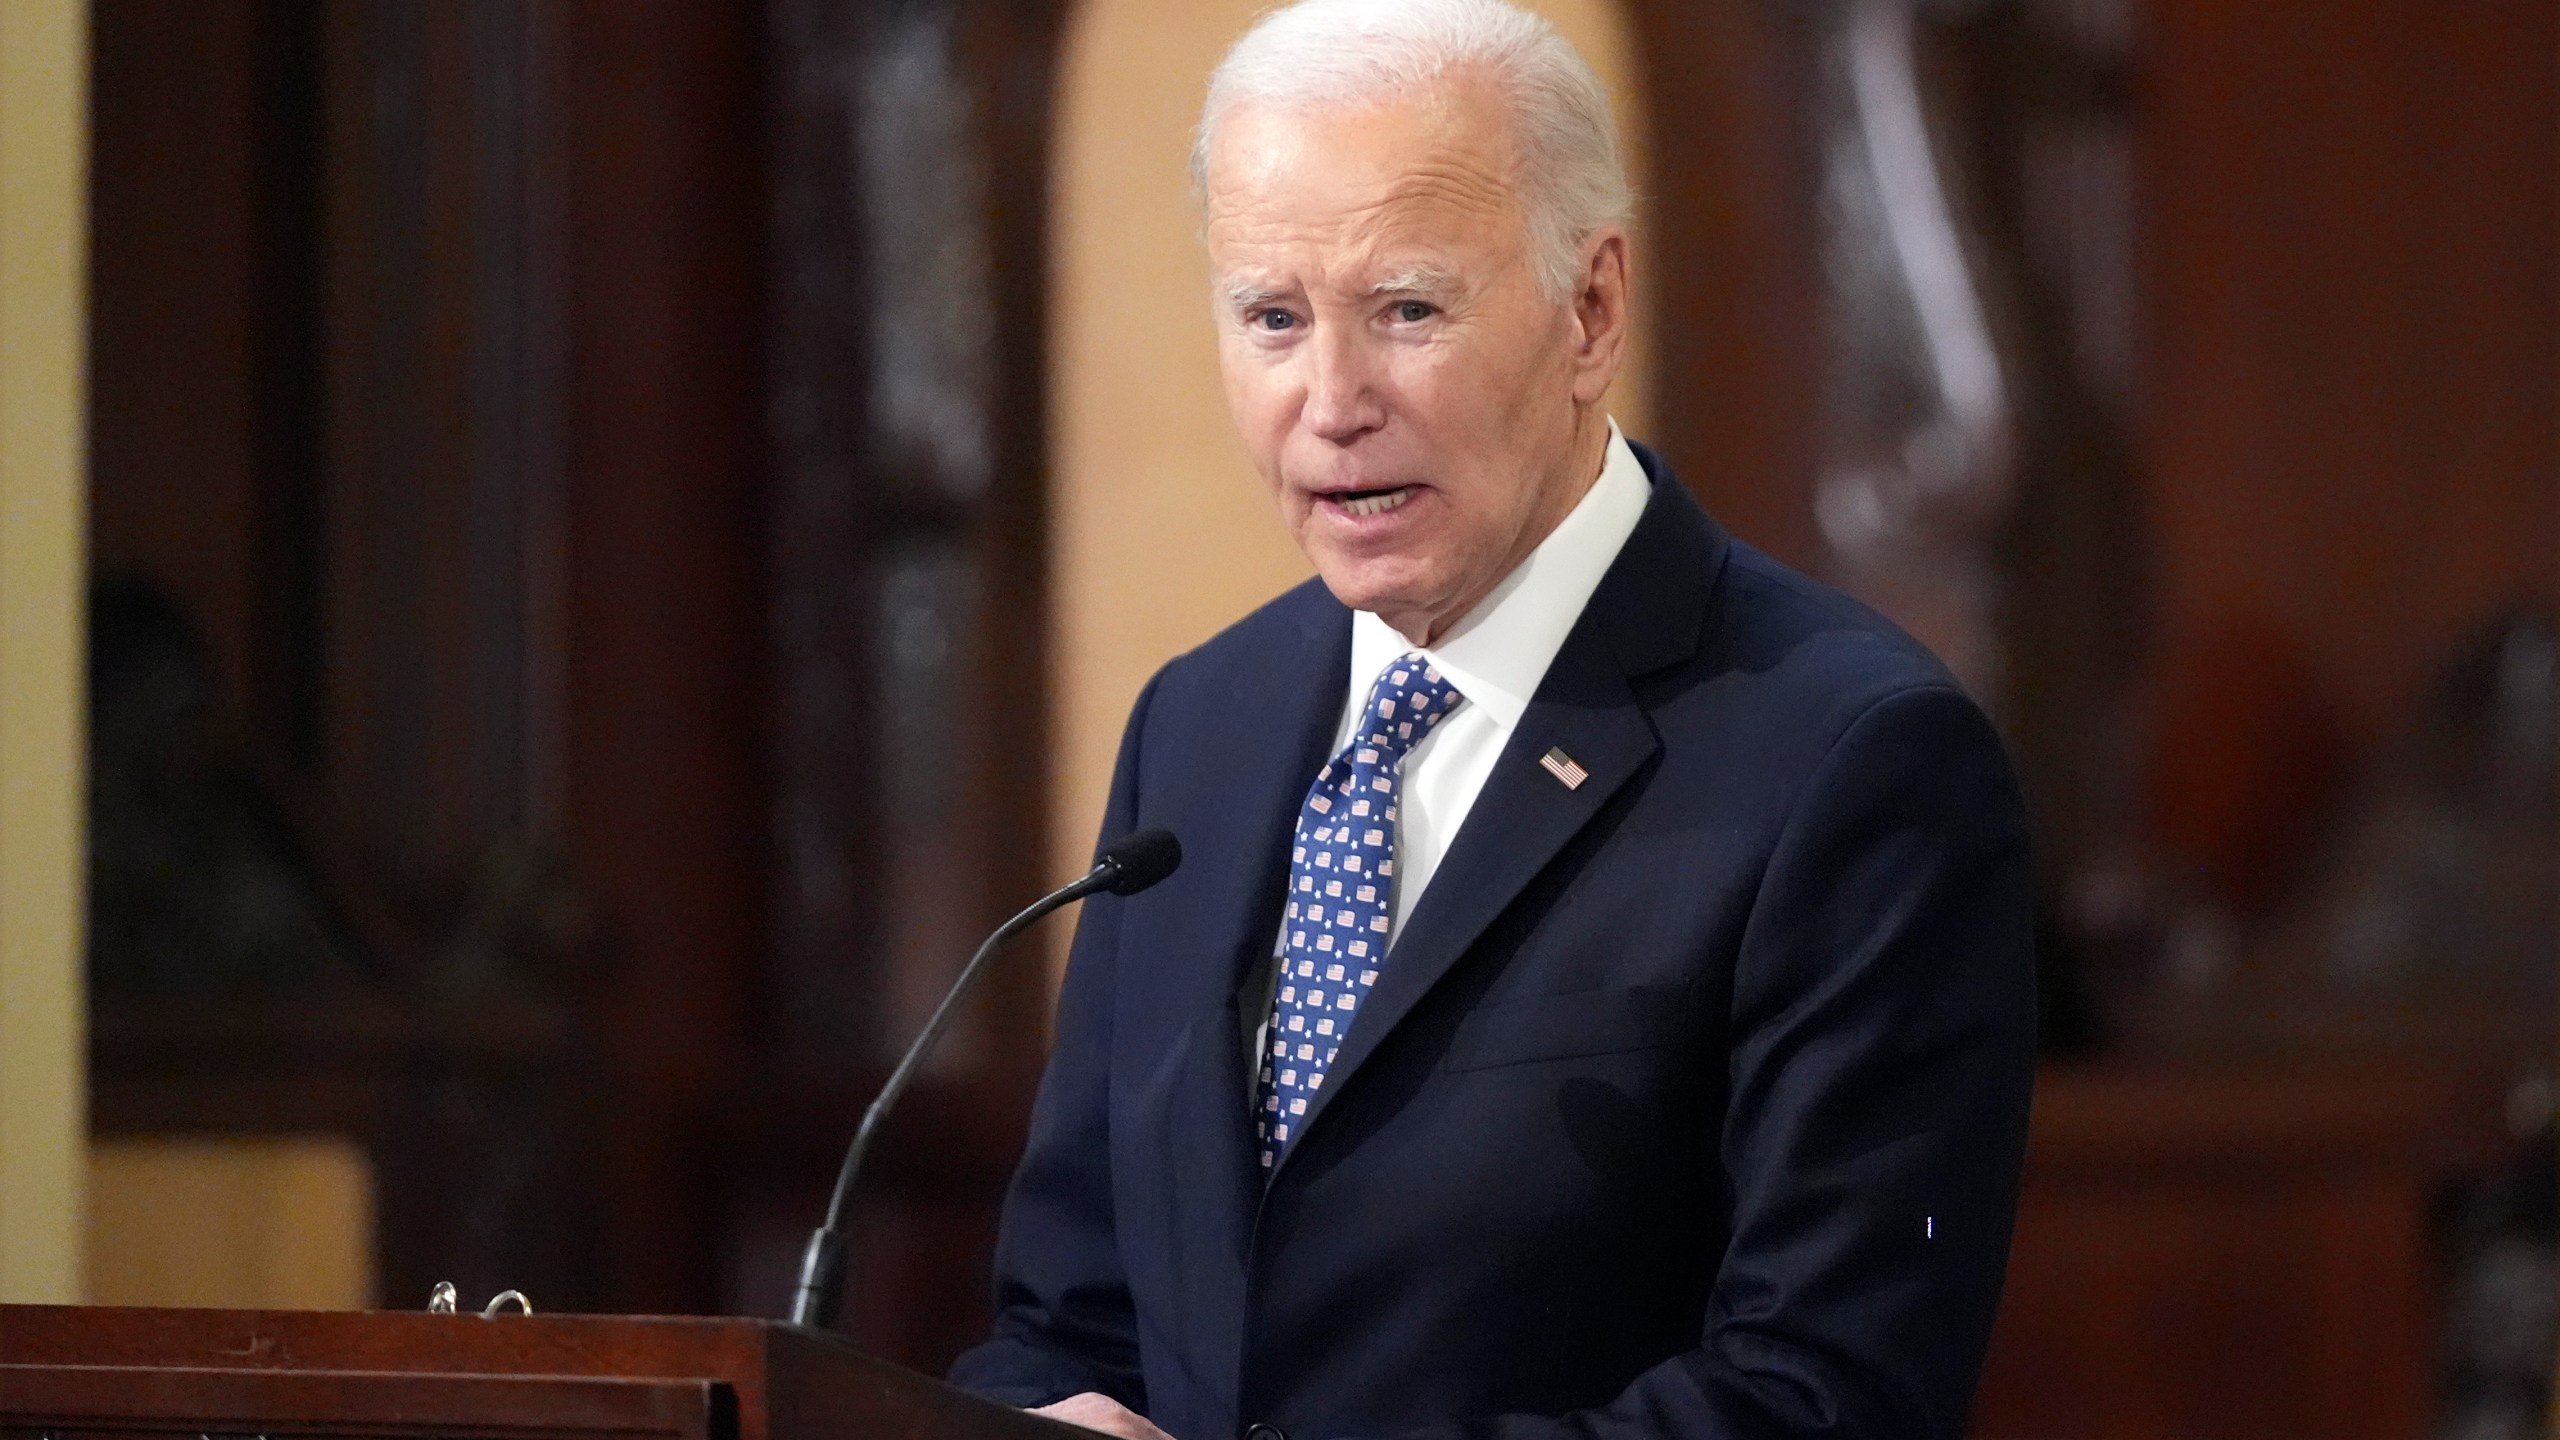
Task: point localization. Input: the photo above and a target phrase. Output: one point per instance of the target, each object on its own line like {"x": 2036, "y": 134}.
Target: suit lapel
{"x": 1285, "y": 711}
{"x": 1236, "y": 818}
{"x": 1521, "y": 818}
{"x": 1646, "y": 614}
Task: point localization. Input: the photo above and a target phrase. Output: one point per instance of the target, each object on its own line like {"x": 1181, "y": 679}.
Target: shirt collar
{"x": 1498, "y": 652}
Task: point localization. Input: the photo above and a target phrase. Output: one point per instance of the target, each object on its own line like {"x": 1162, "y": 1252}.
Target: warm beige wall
{"x": 1160, "y": 534}
{"x": 43, "y": 199}
{"x": 242, "y": 1222}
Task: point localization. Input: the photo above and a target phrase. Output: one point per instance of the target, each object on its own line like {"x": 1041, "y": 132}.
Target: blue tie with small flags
{"x": 1341, "y": 896}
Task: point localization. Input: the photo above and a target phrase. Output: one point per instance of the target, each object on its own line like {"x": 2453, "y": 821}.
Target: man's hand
{"x": 1100, "y": 1412}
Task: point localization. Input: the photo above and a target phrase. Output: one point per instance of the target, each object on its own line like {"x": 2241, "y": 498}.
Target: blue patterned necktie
{"x": 1341, "y": 896}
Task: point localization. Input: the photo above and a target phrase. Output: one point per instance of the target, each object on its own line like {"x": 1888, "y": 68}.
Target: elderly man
{"x": 1597, "y": 1001}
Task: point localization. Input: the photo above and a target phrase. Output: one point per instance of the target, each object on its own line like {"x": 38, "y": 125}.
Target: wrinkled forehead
{"x": 1425, "y": 179}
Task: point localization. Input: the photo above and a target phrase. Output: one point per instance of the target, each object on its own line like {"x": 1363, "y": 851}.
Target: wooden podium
{"x": 97, "y": 1372}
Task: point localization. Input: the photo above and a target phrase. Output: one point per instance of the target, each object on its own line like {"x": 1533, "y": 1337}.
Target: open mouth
{"x": 1372, "y": 502}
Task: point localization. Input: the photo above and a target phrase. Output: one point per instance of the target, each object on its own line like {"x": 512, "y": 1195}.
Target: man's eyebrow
{"x": 1248, "y": 294}
{"x": 1416, "y": 279}
{"x": 1412, "y": 280}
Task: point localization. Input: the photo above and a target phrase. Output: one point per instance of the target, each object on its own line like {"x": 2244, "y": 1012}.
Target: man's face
{"x": 1422, "y": 414}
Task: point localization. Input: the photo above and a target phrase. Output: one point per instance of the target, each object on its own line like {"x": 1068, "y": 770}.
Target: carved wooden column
{"x": 905, "y": 560}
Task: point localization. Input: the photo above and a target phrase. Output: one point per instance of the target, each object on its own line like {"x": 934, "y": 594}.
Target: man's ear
{"x": 1600, "y": 314}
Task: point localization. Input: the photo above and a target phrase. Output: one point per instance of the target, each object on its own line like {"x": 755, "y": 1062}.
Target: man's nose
{"x": 1343, "y": 401}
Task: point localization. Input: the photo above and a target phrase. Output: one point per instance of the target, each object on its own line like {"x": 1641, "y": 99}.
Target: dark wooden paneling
{"x": 472, "y": 487}
{"x": 173, "y": 454}
{"x": 666, "y": 716}
{"x": 2348, "y": 229}
{"x": 288, "y": 638}
{"x": 1733, "y": 271}
{"x": 2228, "y": 1254}
{"x": 909, "y": 579}
{"x": 439, "y": 390}
{"x": 908, "y": 549}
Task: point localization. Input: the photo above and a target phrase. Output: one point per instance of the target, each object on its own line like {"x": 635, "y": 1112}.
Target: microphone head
{"x": 1140, "y": 859}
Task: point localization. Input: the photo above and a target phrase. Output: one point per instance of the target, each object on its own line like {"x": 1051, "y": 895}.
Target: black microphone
{"x": 1128, "y": 865}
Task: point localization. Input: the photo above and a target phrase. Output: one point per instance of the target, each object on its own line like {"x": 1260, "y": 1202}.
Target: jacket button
{"x": 1265, "y": 1432}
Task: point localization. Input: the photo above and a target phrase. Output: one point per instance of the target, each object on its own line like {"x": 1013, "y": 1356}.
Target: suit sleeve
{"x": 1882, "y": 1054}
{"x": 1064, "y": 1320}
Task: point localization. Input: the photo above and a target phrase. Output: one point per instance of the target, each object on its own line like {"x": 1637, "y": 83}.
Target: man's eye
{"x": 1273, "y": 320}
{"x": 1413, "y": 312}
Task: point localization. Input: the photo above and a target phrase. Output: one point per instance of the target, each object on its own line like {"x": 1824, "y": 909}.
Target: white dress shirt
{"x": 1496, "y": 655}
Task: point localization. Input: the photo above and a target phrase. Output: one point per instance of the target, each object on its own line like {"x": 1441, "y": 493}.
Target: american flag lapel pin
{"x": 1561, "y": 766}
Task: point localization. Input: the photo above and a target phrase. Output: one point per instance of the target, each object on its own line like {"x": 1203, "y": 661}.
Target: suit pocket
{"x": 1560, "y": 1027}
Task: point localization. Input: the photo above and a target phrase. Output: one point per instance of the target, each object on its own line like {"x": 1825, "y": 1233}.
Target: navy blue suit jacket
{"x": 1690, "y": 1101}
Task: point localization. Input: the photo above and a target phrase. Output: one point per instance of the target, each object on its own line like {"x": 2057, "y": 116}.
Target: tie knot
{"x": 1410, "y": 696}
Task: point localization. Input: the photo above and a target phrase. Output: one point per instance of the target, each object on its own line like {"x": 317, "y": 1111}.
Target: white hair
{"x": 1320, "y": 53}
